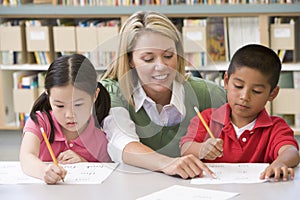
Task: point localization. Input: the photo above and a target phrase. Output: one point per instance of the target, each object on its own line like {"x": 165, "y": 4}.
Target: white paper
{"x": 233, "y": 173}
{"x": 177, "y": 192}
{"x": 11, "y": 173}
{"x": 79, "y": 173}
{"x": 88, "y": 172}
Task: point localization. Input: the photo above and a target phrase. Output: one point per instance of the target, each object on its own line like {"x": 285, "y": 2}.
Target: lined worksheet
{"x": 233, "y": 173}
{"x": 79, "y": 173}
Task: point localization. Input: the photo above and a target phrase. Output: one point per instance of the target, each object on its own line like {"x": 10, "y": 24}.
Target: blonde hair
{"x": 137, "y": 24}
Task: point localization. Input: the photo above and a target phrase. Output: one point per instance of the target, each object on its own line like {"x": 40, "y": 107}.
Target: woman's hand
{"x": 69, "y": 157}
{"x": 187, "y": 166}
{"x": 54, "y": 173}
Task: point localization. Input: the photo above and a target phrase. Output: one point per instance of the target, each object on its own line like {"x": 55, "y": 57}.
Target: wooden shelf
{"x": 50, "y": 11}
{"x": 218, "y": 66}
{"x": 29, "y": 67}
{"x": 32, "y": 11}
{"x": 33, "y": 67}
{"x": 223, "y": 66}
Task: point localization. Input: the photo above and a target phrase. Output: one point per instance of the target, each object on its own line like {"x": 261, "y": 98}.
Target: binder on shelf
{"x": 25, "y": 90}
{"x": 12, "y": 38}
{"x": 7, "y": 113}
{"x": 86, "y": 39}
{"x": 13, "y": 44}
{"x": 107, "y": 38}
{"x": 194, "y": 39}
{"x": 38, "y": 38}
{"x": 283, "y": 40}
{"x": 24, "y": 99}
{"x": 64, "y": 39}
{"x": 195, "y": 45}
{"x": 287, "y": 101}
{"x": 282, "y": 36}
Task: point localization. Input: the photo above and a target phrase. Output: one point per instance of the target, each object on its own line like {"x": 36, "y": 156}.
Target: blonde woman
{"x": 152, "y": 99}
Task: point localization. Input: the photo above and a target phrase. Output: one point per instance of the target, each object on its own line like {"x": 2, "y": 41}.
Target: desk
{"x": 129, "y": 183}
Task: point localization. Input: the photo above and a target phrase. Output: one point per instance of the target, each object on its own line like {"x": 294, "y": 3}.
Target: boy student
{"x": 244, "y": 130}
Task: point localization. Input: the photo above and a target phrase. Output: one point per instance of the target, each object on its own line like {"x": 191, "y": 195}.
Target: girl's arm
{"x": 288, "y": 157}
{"x": 33, "y": 166}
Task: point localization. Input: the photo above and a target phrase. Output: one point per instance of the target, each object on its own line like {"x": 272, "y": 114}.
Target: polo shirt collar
{"x": 177, "y": 100}
{"x": 263, "y": 118}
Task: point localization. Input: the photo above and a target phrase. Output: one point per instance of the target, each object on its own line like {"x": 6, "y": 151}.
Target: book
{"x": 242, "y": 31}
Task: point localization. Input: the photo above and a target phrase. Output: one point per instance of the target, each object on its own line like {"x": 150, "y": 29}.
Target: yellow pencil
{"x": 49, "y": 148}
{"x": 204, "y": 123}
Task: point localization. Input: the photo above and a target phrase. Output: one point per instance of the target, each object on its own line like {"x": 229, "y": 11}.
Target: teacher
{"x": 153, "y": 99}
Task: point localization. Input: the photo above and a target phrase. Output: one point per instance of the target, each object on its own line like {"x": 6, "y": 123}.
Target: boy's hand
{"x": 69, "y": 157}
{"x": 278, "y": 170}
{"x": 211, "y": 149}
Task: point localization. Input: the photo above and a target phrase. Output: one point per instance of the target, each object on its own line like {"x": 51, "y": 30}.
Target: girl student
{"x": 70, "y": 111}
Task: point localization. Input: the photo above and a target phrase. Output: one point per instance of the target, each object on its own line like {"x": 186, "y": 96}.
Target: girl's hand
{"x": 211, "y": 149}
{"x": 54, "y": 174}
{"x": 188, "y": 166}
{"x": 69, "y": 157}
{"x": 278, "y": 170}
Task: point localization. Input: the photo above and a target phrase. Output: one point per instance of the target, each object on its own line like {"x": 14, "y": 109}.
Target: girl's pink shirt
{"x": 91, "y": 143}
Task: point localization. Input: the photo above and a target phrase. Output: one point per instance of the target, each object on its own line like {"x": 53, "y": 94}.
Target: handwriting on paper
{"x": 233, "y": 173}
{"x": 78, "y": 173}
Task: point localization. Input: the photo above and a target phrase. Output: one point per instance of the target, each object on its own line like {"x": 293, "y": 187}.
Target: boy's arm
{"x": 209, "y": 150}
{"x": 288, "y": 157}
{"x": 194, "y": 141}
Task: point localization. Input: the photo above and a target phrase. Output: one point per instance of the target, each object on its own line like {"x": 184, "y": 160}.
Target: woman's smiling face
{"x": 155, "y": 60}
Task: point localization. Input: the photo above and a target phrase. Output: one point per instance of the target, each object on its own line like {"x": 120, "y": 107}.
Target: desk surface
{"x": 129, "y": 183}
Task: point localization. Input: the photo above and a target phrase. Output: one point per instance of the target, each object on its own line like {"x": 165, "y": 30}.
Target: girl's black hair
{"x": 77, "y": 70}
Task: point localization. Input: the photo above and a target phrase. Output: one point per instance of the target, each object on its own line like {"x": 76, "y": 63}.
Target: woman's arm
{"x": 124, "y": 146}
{"x": 120, "y": 131}
{"x": 137, "y": 154}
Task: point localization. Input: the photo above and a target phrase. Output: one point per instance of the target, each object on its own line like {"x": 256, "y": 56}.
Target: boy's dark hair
{"x": 77, "y": 70}
{"x": 260, "y": 58}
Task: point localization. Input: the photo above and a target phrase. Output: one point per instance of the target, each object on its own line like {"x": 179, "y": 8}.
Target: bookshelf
{"x": 51, "y": 12}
